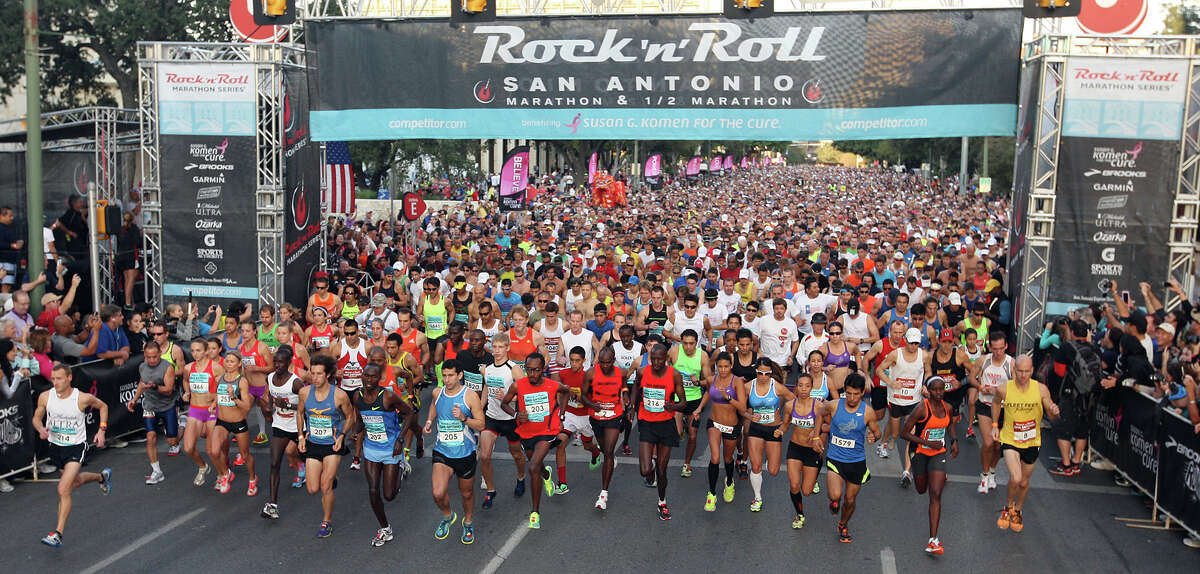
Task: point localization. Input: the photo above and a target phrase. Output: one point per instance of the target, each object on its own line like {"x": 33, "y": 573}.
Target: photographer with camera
{"x": 1077, "y": 369}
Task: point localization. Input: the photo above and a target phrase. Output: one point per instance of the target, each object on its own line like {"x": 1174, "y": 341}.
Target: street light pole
{"x": 35, "y": 263}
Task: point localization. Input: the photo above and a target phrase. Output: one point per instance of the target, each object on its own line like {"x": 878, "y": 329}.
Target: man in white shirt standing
{"x": 778, "y": 335}
{"x": 809, "y": 302}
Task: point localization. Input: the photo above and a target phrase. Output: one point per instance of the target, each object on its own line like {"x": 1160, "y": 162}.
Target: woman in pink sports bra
{"x": 199, "y": 392}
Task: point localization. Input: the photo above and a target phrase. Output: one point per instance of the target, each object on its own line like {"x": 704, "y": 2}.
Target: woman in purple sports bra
{"x": 840, "y": 357}
{"x": 806, "y": 447}
{"x": 728, "y": 396}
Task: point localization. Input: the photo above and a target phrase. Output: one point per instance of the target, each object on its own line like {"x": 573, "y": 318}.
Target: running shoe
{"x": 743, "y": 470}
{"x": 53, "y": 539}
{"x": 756, "y": 505}
{"x": 1005, "y": 519}
{"x": 934, "y": 547}
{"x": 382, "y": 536}
{"x": 710, "y": 502}
{"x": 971, "y": 433}
{"x": 983, "y": 488}
{"x": 468, "y": 533}
{"x": 1067, "y": 470}
{"x": 299, "y": 480}
{"x": 561, "y": 489}
{"x": 155, "y": 477}
{"x": 844, "y": 534}
{"x": 577, "y": 441}
{"x": 173, "y": 450}
{"x": 106, "y": 481}
{"x": 406, "y": 468}
{"x": 1122, "y": 481}
{"x": 1103, "y": 464}
{"x": 261, "y": 439}
{"x": 443, "y": 529}
{"x": 625, "y": 450}
{"x": 882, "y": 450}
{"x": 238, "y": 460}
{"x": 906, "y": 479}
{"x": 548, "y": 481}
{"x": 991, "y": 478}
{"x": 663, "y": 512}
{"x": 817, "y": 487}
{"x": 519, "y": 489}
{"x": 420, "y": 449}
{"x": 252, "y": 489}
{"x": 270, "y": 511}
{"x": 325, "y": 530}
{"x": 686, "y": 472}
{"x": 488, "y": 499}
{"x": 798, "y": 522}
{"x": 5, "y": 486}
{"x": 201, "y": 476}
{"x": 727, "y": 494}
{"x": 1016, "y": 522}
{"x": 356, "y": 464}
{"x": 226, "y": 483}
{"x": 834, "y": 506}
{"x": 535, "y": 521}
{"x": 602, "y": 502}
{"x": 595, "y": 462}
{"x": 650, "y": 481}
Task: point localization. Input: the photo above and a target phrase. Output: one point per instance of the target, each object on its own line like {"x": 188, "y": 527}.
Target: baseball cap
{"x": 51, "y": 297}
{"x": 898, "y": 255}
{"x": 991, "y": 284}
{"x": 483, "y": 277}
{"x": 955, "y": 299}
{"x": 710, "y": 293}
{"x": 1167, "y": 327}
{"x": 946, "y": 335}
{"x": 913, "y": 335}
{"x": 378, "y": 300}
{"x": 460, "y": 281}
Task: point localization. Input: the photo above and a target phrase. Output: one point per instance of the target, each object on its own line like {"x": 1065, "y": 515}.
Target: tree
{"x": 84, "y": 41}
{"x": 1182, "y": 19}
{"x": 939, "y": 152}
{"x": 428, "y": 159}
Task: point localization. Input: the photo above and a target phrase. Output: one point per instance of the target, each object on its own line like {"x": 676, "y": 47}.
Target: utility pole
{"x": 33, "y": 154}
{"x": 962, "y": 167}
{"x": 984, "y": 172}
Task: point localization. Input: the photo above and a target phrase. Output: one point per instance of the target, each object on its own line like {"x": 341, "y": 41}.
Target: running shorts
{"x": 531, "y": 443}
{"x": 234, "y": 428}
{"x": 504, "y": 428}
{"x": 764, "y": 432}
{"x": 927, "y": 463}
{"x": 1029, "y": 454}
{"x": 852, "y": 472}
{"x": 61, "y": 455}
{"x": 581, "y": 424}
{"x": 320, "y": 451}
{"x": 901, "y": 411}
{"x": 879, "y": 400}
{"x": 169, "y": 418}
{"x": 658, "y": 432}
{"x": 733, "y": 433}
{"x": 807, "y": 456}
{"x": 463, "y": 468}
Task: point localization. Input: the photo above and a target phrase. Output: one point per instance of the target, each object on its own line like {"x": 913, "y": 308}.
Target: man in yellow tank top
{"x": 1024, "y": 401}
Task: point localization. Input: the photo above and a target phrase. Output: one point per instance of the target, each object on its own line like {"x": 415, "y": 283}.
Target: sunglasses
{"x": 835, "y": 332}
{"x": 689, "y": 306}
{"x": 543, "y": 300}
{"x": 763, "y": 373}
{"x": 158, "y": 334}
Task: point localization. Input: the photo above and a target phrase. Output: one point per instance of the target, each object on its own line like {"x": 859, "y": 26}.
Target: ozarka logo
{"x": 299, "y": 206}
{"x": 483, "y": 92}
{"x": 812, "y": 91}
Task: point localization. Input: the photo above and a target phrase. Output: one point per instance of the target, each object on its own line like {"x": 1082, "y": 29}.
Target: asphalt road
{"x": 1070, "y": 527}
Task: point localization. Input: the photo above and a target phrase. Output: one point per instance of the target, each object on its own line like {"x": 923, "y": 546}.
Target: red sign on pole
{"x": 414, "y": 206}
{"x": 242, "y": 17}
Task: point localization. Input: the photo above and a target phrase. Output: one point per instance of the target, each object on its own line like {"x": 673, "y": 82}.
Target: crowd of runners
{"x": 786, "y": 318}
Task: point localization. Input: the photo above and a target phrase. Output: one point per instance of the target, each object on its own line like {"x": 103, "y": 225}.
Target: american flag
{"x": 338, "y": 195}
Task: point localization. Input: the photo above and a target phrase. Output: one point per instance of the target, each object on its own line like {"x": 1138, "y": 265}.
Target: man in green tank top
{"x": 693, "y": 366}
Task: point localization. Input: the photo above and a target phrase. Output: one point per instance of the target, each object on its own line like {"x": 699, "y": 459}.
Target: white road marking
{"x": 505, "y": 551}
{"x": 140, "y": 542}
{"x": 888, "y": 559}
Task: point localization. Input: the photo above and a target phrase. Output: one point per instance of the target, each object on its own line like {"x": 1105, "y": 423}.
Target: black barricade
{"x": 1179, "y": 470}
{"x": 1136, "y": 456}
{"x": 1106, "y": 434}
{"x": 114, "y": 385}
{"x": 16, "y": 429}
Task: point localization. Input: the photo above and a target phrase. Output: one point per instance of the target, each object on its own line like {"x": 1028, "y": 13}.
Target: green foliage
{"x": 1182, "y": 18}
{"x": 432, "y": 159}
{"x": 85, "y": 42}
{"x": 942, "y": 154}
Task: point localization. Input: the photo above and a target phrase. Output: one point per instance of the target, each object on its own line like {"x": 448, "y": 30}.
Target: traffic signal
{"x": 748, "y": 9}
{"x": 470, "y": 11}
{"x": 273, "y": 12}
{"x": 1051, "y": 8}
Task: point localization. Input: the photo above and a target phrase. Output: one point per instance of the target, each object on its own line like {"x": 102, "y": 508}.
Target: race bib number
{"x": 225, "y": 395}
{"x": 689, "y": 380}
{"x": 65, "y": 432}
{"x": 320, "y": 342}
{"x": 537, "y": 406}
{"x": 764, "y": 415}
{"x": 936, "y": 435}
{"x": 655, "y": 400}
{"x": 320, "y": 426}
{"x": 352, "y": 373}
{"x": 495, "y": 387}
{"x": 248, "y": 360}
{"x": 726, "y": 429}
{"x": 842, "y": 442}
{"x": 1024, "y": 431}
{"x": 198, "y": 382}
{"x": 907, "y": 390}
{"x": 803, "y": 422}
{"x": 573, "y": 401}
{"x": 436, "y": 323}
{"x": 147, "y": 413}
{"x": 376, "y": 429}
{"x": 450, "y": 432}
{"x": 606, "y": 411}
{"x": 474, "y": 381}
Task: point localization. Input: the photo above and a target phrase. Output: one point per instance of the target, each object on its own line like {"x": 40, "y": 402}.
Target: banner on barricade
{"x": 1179, "y": 471}
{"x": 115, "y": 385}
{"x": 16, "y": 428}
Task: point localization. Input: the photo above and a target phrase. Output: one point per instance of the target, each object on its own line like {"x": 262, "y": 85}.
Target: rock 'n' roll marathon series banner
{"x": 802, "y": 76}
{"x": 302, "y": 180}
{"x": 1118, "y": 157}
{"x": 206, "y": 145}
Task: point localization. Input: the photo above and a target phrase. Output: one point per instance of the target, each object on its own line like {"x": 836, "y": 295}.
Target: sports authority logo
{"x": 811, "y": 91}
{"x": 1112, "y": 202}
{"x": 1112, "y": 16}
{"x": 483, "y": 92}
{"x": 208, "y": 193}
{"x": 299, "y": 207}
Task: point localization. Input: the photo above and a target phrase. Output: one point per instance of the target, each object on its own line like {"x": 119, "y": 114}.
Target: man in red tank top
{"x": 539, "y": 413}
{"x": 654, "y": 393}
{"x": 880, "y": 351}
{"x": 575, "y": 421}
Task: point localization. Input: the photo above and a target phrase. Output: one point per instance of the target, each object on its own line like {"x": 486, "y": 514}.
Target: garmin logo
{"x": 720, "y": 42}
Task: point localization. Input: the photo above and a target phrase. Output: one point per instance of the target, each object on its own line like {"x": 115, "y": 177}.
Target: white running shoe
{"x": 991, "y": 480}
{"x": 201, "y": 475}
{"x": 1103, "y": 464}
{"x": 983, "y": 483}
{"x": 602, "y": 502}
{"x": 155, "y": 477}
{"x": 882, "y": 450}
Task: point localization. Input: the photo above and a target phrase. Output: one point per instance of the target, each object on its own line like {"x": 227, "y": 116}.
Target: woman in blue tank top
{"x": 851, "y": 426}
{"x": 456, "y": 416}
{"x": 379, "y": 412}
{"x": 764, "y": 397}
{"x": 328, "y": 417}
